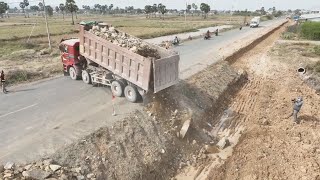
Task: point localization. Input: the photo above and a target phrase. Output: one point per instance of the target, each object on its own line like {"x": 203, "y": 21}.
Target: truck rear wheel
{"x": 86, "y": 77}
{"x": 131, "y": 93}
{"x": 73, "y": 73}
{"x": 117, "y": 88}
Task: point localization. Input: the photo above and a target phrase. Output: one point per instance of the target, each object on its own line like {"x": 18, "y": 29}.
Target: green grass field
{"x": 21, "y": 28}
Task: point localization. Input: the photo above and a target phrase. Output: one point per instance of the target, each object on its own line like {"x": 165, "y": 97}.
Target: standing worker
{"x": 3, "y": 81}
{"x": 297, "y": 104}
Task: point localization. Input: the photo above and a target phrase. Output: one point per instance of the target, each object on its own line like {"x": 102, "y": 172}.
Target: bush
{"x": 269, "y": 17}
{"x": 293, "y": 29}
{"x": 317, "y": 67}
{"x": 311, "y": 30}
{"x": 317, "y": 50}
{"x": 20, "y": 75}
{"x": 288, "y": 35}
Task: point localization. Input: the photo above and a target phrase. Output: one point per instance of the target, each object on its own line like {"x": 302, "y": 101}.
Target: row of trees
{"x": 102, "y": 9}
{"x": 70, "y": 6}
{"x": 160, "y": 8}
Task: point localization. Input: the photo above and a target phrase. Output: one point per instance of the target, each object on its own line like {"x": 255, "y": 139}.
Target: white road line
{"x": 18, "y": 110}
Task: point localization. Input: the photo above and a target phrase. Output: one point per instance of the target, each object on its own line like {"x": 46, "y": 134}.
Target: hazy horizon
{"x": 180, "y": 4}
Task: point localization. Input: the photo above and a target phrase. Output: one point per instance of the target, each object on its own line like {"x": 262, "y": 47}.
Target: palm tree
{"x": 205, "y": 8}
{"x": 22, "y": 6}
{"x": 110, "y": 8}
{"x": 71, "y": 7}
{"x": 194, "y": 6}
{"x": 3, "y": 8}
{"x": 155, "y": 9}
{"x": 162, "y": 9}
{"x": 26, "y": 3}
{"x": 62, "y": 9}
{"x": 148, "y": 10}
{"x": 188, "y": 8}
{"x": 41, "y": 8}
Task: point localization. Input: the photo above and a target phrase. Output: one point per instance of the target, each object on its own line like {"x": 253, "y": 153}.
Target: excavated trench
{"x": 148, "y": 144}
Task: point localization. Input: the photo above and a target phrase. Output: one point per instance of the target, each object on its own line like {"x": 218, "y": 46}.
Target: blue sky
{"x": 180, "y": 4}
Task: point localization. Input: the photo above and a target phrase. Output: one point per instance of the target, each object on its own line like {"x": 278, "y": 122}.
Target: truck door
{"x": 64, "y": 54}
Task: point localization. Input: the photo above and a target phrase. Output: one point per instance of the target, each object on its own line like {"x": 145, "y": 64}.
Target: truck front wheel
{"x": 86, "y": 77}
{"x": 73, "y": 73}
{"x": 131, "y": 93}
{"x": 117, "y": 88}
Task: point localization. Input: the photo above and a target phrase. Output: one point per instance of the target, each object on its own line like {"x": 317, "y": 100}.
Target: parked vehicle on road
{"x": 98, "y": 61}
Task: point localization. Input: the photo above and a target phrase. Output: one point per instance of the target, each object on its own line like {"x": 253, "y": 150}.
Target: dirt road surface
{"x": 271, "y": 146}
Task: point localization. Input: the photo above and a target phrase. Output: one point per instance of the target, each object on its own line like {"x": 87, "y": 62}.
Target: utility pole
{"x": 185, "y": 13}
{"x": 45, "y": 16}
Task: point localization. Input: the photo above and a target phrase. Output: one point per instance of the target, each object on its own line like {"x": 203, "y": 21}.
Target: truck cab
{"x": 70, "y": 57}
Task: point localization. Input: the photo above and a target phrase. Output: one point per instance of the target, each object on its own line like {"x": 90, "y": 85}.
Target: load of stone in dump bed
{"x": 124, "y": 40}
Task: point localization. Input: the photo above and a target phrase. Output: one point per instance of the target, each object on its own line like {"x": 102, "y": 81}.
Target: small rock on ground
{"x": 9, "y": 165}
{"x": 223, "y": 143}
{"x": 27, "y": 167}
{"x": 54, "y": 167}
{"x": 37, "y": 174}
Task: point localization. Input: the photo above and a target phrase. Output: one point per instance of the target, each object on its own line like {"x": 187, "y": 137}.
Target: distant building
{"x": 311, "y": 17}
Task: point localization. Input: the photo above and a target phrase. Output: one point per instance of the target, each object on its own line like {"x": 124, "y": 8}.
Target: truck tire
{"x": 86, "y": 78}
{"x": 73, "y": 73}
{"x": 131, "y": 93}
{"x": 117, "y": 88}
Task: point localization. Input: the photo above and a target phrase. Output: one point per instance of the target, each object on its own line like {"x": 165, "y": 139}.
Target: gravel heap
{"x": 124, "y": 40}
{"x": 44, "y": 169}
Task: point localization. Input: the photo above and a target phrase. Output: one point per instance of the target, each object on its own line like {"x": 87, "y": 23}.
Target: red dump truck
{"x": 98, "y": 61}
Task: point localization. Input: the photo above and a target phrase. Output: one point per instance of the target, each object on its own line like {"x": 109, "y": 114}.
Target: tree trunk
{"x": 63, "y": 15}
{"x": 72, "y": 18}
{"x": 76, "y": 15}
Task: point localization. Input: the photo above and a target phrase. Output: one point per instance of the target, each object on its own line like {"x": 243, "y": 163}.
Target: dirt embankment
{"x": 272, "y": 146}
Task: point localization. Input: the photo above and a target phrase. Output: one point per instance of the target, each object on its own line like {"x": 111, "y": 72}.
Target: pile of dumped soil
{"x": 125, "y": 40}
{"x": 135, "y": 148}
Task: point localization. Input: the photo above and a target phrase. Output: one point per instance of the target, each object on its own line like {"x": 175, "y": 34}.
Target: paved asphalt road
{"x": 39, "y": 118}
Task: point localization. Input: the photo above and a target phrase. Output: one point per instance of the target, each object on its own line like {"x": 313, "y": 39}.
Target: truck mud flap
{"x": 165, "y": 72}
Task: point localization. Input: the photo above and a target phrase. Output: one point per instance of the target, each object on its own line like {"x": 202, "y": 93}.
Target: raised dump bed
{"x": 100, "y": 60}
